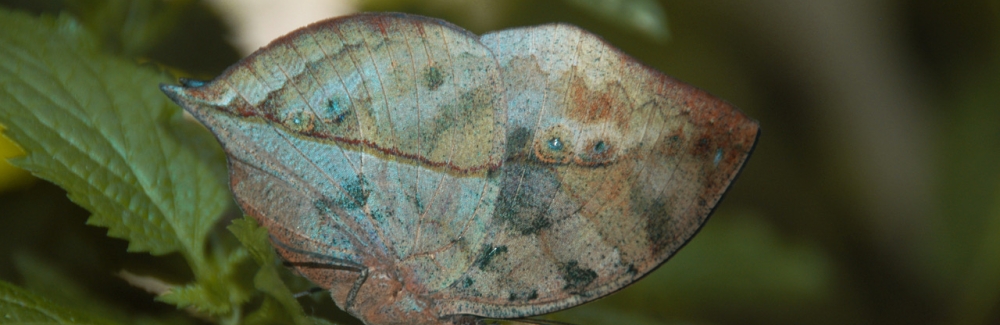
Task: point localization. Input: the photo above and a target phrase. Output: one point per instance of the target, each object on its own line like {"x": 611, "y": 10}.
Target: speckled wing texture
{"x": 424, "y": 174}
{"x": 363, "y": 142}
{"x": 610, "y": 168}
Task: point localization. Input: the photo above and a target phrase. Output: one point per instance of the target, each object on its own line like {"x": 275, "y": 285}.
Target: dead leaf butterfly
{"x": 426, "y": 175}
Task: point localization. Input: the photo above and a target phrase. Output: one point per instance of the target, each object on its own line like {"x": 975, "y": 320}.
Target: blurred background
{"x": 873, "y": 196}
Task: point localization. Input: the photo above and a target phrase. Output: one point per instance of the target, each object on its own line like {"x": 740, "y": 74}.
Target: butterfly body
{"x": 426, "y": 175}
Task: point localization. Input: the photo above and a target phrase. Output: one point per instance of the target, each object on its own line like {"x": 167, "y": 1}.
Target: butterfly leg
{"x": 354, "y": 289}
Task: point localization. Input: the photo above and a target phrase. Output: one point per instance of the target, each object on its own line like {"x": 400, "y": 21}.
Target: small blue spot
{"x": 600, "y": 147}
{"x": 718, "y": 156}
{"x": 556, "y": 144}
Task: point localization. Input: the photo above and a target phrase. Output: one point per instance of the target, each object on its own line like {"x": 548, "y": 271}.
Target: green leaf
{"x": 255, "y": 239}
{"x": 183, "y": 34}
{"x": 42, "y": 277}
{"x": 269, "y": 312}
{"x": 203, "y": 298}
{"x": 319, "y": 321}
{"x": 99, "y": 127}
{"x": 129, "y": 27}
{"x": 646, "y": 16}
{"x": 268, "y": 281}
{"x": 224, "y": 289}
{"x": 20, "y": 306}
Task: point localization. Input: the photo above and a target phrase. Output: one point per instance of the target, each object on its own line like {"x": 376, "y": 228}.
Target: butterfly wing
{"x": 610, "y": 168}
{"x": 385, "y": 140}
{"x": 362, "y": 142}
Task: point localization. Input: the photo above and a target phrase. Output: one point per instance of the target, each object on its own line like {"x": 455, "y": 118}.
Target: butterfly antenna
{"x": 192, "y": 83}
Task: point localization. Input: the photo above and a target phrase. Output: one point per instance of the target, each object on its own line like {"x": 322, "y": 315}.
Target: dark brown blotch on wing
{"x": 660, "y": 229}
{"x": 577, "y": 278}
{"x": 488, "y": 254}
{"x": 526, "y": 192}
{"x": 523, "y": 295}
{"x": 518, "y": 141}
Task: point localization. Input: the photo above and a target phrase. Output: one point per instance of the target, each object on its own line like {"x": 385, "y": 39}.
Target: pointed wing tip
{"x": 174, "y": 92}
{"x": 181, "y": 96}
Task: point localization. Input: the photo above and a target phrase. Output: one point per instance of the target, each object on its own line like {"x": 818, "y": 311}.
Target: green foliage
{"x": 98, "y": 126}
{"x": 646, "y": 16}
{"x": 184, "y": 34}
{"x": 129, "y": 27}
{"x": 222, "y": 288}
{"x": 45, "y": 279}
{"x": 89, "y": 123}
{"x": 20, "y": 307}
{"x": 279, "y": 298}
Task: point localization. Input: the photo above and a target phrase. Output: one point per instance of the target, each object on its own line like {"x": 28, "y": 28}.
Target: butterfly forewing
{"x": 365, "y": 139}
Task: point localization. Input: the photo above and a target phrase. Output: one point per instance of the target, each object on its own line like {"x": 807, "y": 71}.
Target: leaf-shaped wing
{"x": 364, "y": 141}
{"x": 611, "y": 167}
